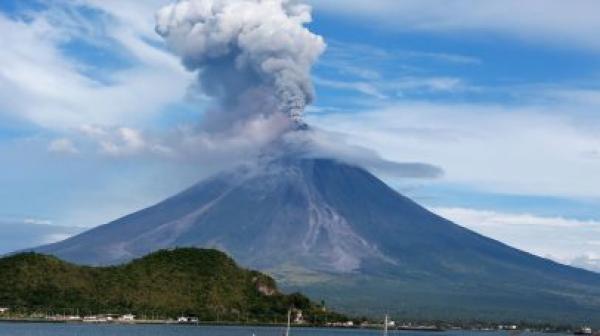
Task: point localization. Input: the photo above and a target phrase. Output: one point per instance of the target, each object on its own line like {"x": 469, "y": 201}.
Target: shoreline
{"x": 419, "y": 329}
{"x": 198, "y": 324}
{"x": 167, "y": 322}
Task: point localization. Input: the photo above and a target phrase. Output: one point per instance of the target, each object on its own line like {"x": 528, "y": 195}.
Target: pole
{"x": 287, "y": 330}
{"x": 385, "y": 326}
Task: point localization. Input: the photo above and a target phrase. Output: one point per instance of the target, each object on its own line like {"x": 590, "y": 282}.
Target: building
{"x": 4, "y": 310}
{"x": 298, "y": 317}
{"x": 127, "y": 318}
{"x": 187, "y": 319}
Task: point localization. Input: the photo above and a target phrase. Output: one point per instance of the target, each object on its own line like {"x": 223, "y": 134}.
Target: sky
{"x": 97, "y": 115}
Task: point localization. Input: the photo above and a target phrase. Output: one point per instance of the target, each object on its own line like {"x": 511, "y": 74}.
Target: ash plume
{"x": 253, "y": 56}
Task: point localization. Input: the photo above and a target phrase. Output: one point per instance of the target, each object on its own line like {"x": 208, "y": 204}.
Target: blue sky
{"x": 503, "y": 96}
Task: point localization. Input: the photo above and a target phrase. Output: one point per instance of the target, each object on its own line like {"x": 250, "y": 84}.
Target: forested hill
{"x": 196, "y": 282}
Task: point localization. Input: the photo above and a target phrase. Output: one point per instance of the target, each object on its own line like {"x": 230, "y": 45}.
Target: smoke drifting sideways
{"x": 253, "y": 57}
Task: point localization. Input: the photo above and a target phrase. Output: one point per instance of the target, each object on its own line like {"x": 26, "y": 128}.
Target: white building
{"x": 298, "y": 318}
{"x": 127, "y": 317}
{"x": 4, "y": 310}
{"x": 187, "y": 319}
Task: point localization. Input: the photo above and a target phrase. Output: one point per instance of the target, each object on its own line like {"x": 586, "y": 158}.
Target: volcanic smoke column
{"x": 253, "y": 56}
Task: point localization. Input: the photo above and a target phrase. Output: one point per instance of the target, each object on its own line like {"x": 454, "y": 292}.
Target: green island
{"x": 202, "y": 283}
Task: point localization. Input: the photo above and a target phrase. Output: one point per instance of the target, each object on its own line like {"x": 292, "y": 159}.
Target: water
{"x": 42, "y": 329}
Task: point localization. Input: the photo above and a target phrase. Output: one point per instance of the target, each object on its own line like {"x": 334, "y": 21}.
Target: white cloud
{"x": 138, "y": 15}
{"x": 185, "y": 143}
{"x": 575, "y": 96}
{"x": 121, "y": 141}
{"x": 54, "y": 237}
{"x": 365, "y": 88}
{"x": 37, "y": 221}
{"x": 127, "y": 141}
{"x": 565, "y": 240}
{"x": 343, "y": 54}
{"x": 431, "y": 84}
{"x": 42, "y": 84}
{"x": 62, "y": 145}
{"x": 445, "y": 57}
{"x": 589, "y": 261}
{"x": 554, "y": 22}
{"x": 383, "y": 74}
{"x": 537, "y": 150}
{"x": 384, "y": 89}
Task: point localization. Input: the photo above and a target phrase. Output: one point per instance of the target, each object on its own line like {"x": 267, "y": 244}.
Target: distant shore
{"x": 425, "y": 329}
{"x": 209, "y": 323}
{"x": 170, "y": 322}
{"x": 140, "y": 321}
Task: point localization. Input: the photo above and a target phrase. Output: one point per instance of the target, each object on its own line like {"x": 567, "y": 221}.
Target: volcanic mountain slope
{"x": 337, "y": 232}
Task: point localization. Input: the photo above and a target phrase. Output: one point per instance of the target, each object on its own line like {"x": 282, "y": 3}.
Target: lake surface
{"x": 42, "y": 329}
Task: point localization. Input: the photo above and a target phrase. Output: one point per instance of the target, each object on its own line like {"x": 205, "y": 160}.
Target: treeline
{"x": 192, "y": 282}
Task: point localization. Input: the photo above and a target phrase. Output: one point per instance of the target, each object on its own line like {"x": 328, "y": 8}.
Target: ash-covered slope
{"x": 263, "y": 215}
{"x": 338, "y": 232}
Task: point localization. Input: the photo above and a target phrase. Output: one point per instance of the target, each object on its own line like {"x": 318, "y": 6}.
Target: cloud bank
{"x": 526, "y": 150}
{"x": 572, "y": 241}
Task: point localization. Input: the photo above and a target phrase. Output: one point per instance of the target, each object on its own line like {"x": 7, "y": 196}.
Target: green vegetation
{"x": 193, "y": 282}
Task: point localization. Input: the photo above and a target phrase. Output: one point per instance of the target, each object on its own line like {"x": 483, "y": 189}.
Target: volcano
{"x": 338, "y": 233}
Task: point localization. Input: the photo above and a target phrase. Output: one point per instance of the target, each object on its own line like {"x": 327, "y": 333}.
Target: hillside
{"x": 335, "y": 231}
{"x": 204, "y": 283}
